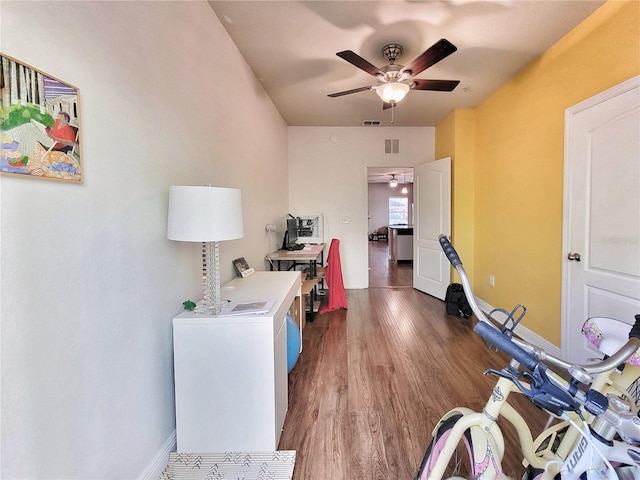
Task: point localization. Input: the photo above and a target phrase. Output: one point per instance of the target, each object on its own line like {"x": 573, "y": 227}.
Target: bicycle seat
{"x": 608, "y": 335}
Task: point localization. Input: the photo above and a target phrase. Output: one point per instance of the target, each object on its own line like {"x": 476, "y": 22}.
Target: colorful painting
{"x": 39, "y": 124}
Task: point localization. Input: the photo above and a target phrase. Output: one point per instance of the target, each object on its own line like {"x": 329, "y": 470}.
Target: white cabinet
{"x": 231, "y": 372}
{"x": 400, "y": 243}
{"x": 405, "y": 247}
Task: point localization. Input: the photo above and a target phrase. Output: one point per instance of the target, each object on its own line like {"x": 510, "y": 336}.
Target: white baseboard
{"x": 160, "y": 461}
{"x": 523, "y": 332}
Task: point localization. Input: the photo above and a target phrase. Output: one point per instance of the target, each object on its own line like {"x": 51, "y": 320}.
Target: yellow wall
{"x": 518, "y": 162}
{"x": 455, "y": 138}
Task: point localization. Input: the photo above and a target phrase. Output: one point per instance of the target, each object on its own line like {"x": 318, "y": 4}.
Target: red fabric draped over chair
{"x": 333, "y": 277}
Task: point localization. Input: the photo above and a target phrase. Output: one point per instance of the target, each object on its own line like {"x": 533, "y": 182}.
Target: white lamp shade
{"x": 204, "y": 214}
{"x": 392, "y": 92}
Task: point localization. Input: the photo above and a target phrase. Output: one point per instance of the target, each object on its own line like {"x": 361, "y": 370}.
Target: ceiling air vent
{"x": 392, "y": 145}
{"x": 371, "y": 123}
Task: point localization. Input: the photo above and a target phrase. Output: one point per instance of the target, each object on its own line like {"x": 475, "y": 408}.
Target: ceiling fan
{"x": 389, "y": 178}
{"x": 394, "y": 81}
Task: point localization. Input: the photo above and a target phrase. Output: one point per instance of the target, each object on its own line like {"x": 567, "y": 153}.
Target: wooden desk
{"x": 298, "y": 257}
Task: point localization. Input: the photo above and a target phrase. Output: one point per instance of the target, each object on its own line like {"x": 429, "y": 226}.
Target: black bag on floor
{"x": 456, "y": 302}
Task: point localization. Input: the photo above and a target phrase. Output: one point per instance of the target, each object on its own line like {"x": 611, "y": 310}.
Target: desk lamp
{"x": 209, "y": 215}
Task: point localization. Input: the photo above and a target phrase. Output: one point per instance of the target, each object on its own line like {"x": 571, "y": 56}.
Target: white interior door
{"x": 432, "y": 203}
{"x": 601, "y": 213}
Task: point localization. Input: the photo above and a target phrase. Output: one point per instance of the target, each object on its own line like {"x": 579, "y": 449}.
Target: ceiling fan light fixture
{"x": 393, "y": 183}
{"x": 392, "y": 92}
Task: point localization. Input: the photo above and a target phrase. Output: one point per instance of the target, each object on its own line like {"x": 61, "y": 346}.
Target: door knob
{"x": 574, "y": 256}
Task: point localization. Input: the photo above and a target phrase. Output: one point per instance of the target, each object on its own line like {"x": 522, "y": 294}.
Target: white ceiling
{"x": 291, "y": 47}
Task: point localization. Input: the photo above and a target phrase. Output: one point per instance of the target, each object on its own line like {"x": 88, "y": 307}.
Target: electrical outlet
{"x": 492, "y": 280}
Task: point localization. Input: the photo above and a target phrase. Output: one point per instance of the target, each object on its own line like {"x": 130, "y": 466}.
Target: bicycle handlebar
{"x": 449, "y": 251}
{"x": 504, "y": 343}
{"x": 616, "y": 359}
{"x": 545, "y": 388}
{"x": 453, "y": 257}
{"x": 523, "y": 352}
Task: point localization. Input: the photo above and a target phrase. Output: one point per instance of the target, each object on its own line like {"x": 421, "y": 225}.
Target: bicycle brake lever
{"x": 533, "y": 380}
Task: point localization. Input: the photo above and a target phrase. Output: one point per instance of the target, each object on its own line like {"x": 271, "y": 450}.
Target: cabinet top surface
{"x": 257, "y": 286}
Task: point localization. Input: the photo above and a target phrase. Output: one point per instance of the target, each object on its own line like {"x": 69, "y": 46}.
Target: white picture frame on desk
{"x": 242, "y": 267}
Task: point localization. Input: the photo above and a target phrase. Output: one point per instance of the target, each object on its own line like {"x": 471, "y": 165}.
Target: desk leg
{"x": 312, "y": 301}
{"x": 322, "y": 264}
{"x": 301, "y": 308}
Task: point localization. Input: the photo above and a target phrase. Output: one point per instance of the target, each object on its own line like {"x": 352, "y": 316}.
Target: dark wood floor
{"x": 382, "y": 273}
{"x": 373, "y": 380}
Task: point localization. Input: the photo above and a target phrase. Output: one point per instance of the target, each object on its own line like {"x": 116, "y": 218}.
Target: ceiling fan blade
{"x": 439, "y": 50}
{"x": 355, "y": 59}
{"x": 348, "y": 92}
{"x": 437, "y": 85}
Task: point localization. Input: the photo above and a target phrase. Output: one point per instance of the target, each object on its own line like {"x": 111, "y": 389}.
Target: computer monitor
{"x": 292, "y": 231}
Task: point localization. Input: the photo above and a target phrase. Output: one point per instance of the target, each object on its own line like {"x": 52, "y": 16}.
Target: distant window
{"x": 398, "y": 210}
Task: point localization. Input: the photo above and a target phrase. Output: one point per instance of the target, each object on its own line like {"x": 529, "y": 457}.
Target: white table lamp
{"x": 208, "y": 215}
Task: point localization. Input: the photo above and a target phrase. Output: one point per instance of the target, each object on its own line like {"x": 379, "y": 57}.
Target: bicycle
{"x": 599, "y": 431}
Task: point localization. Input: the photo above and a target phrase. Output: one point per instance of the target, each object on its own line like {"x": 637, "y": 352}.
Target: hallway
{"x": 383, "y": 273}
{"x": 373, "y": 380}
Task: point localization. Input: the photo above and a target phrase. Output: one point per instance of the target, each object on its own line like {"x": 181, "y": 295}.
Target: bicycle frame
{"x": 575, "y": 454}
{"x": 609, "y": 382}
{"x": 583, "y": 449}
{"x": 486, "y": 436}
{"x": 588, "y": 457}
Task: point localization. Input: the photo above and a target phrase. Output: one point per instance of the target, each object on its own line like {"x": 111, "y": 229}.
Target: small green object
{"x": 189, "y": 305}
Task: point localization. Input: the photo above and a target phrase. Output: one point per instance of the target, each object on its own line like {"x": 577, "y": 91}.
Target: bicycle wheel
{"x": 461, "y": 462}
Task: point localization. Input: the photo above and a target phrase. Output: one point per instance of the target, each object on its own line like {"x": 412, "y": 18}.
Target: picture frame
{"x": 39, "y": 124}
{"x": 242, "y": 267}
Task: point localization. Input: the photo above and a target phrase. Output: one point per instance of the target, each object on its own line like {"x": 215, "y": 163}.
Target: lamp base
{"x": 202, "y": 309}
{"x": 211, "y": 303}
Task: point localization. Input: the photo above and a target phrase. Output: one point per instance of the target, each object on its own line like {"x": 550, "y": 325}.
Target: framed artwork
{"x": 242, "y": 267}
{"x": 39, "y": 124}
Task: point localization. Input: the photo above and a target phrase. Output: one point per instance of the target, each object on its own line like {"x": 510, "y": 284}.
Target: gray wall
{"x": 89, "y": 281}
{"x": 328, "y": 174}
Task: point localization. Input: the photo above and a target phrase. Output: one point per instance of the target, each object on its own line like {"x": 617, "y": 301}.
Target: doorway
{"x": 386, "y": 205}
